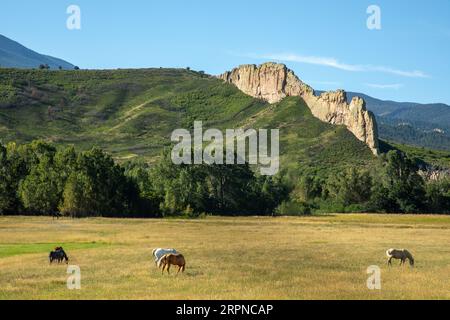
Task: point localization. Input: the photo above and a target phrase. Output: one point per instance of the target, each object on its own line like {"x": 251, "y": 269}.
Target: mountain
{"x": 437, "y": 114}
{"x": 273, "y": 82}
{"x": 413, "y": 134}
{"x": 15, "y": 55}
{"x": 132, "y": 113}
{"x": 421, "y": 125}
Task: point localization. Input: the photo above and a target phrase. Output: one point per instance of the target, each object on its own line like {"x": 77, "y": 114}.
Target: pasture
{"x": 322, "y": 257}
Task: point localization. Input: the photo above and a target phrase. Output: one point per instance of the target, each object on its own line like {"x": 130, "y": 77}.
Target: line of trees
{"x": 40, "y": 179}
{"x": 393, "y": 186}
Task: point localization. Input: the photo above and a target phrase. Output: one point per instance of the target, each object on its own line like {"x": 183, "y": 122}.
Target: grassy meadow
{"x": 321, "y": 257}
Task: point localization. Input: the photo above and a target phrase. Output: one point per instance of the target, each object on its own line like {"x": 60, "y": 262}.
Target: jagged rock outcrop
{"x": 434, "y": 174}
{"x": 273, "y": 82}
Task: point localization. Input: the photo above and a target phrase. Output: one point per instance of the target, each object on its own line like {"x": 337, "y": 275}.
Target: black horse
{"x": 58, "y": 255}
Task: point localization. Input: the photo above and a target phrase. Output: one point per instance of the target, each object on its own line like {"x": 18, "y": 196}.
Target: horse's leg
{"x": 389, "y": 261}
{"x": 179, "y": 268}
{"x": 168, "y": 268}
{"x": 163, "y": 267}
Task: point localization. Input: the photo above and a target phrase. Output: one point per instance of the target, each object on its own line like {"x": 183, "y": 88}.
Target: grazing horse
{"x": 400, "y": 254}
{"x": 158, "y": 253}
{"x": 58, "y": 255}
{"x": 176, "y": 259}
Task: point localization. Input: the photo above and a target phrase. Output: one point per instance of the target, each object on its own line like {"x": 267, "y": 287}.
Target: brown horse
{"x": 177, "y": 259}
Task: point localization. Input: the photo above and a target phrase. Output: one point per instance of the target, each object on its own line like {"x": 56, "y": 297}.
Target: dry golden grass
{"x": 227, "y": 258}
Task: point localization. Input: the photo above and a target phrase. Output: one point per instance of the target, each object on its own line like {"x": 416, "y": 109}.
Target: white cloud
{"x": 394, "y": 86}
{"x": 409, "y": 74}
{"x": 334, "y": 63}
{"x": 322, "y": 61}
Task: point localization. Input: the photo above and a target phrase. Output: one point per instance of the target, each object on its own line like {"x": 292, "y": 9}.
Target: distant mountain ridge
{"x": 422, "y": 125}
{"x": 15, "y": 55}
{"x": 436, "y": 113}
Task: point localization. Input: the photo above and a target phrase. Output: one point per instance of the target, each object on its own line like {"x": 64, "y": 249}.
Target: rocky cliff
{"x": 273, "y": 82}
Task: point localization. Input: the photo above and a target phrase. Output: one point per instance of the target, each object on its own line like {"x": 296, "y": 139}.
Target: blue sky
{"x": 327, "y": 43}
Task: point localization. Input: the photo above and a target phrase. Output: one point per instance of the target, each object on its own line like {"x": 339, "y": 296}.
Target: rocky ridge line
{"x": 273, "y": 82}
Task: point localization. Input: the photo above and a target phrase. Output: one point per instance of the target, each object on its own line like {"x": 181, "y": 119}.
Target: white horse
{"x": 158, "y": 253}
{"x": 399, "y": 254}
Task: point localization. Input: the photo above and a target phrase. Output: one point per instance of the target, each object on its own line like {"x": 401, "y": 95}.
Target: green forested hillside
{"x": 132, "y": 113}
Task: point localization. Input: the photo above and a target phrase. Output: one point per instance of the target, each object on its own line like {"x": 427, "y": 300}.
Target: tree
{"x": 39, "y": 191}
{"x": 438, "y": 196}
{"x": 14, "y": 169}
{"x": 6, "y": 198}
{"x": 404, "y": 183}
{"x": 179, "y": 189}
{"x": 145, "y": 203}
{"x": 400, "y": 188}
{"x": 76, "y": 202}
{"x": 268, "y": 193}
{"x": 351, "y": 187}
{"x": 108, "y": 191}
{"x": 217, "y": 189}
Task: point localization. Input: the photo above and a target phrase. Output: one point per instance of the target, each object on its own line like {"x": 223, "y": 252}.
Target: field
{"x": 323, "y": 257}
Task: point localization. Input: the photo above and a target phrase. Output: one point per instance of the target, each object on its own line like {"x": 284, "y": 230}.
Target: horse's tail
{"x": 389, "y": 253}
{"x": 183, "y": 267}
{"x": 162, "y": 261}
